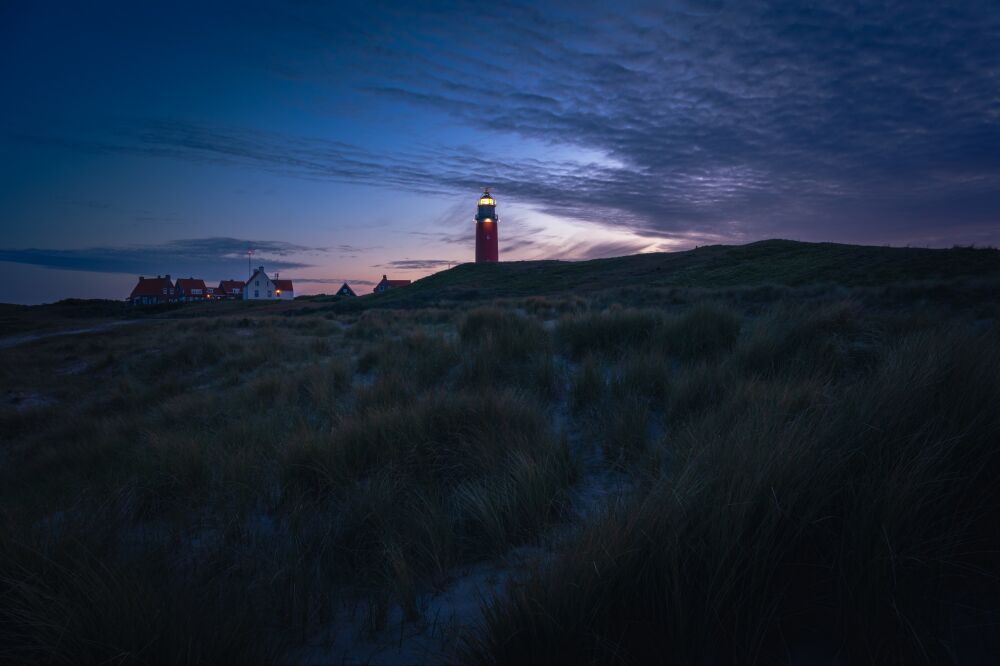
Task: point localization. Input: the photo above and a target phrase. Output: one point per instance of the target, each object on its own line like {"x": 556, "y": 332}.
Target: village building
{"x": 191, "y": 289}
{"x": 386, "y": 284}
{"x": 151, "y": 291}
{"x": 258, "y": 287}
{"x": 230, "y": 289}
{"x": 261, "y": 288}
{"x": 283, "y": 289}
{"x": 345, "y": 290}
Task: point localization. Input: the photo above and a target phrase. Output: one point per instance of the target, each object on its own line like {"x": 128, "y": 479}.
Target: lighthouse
{"x": 487, "y": 247}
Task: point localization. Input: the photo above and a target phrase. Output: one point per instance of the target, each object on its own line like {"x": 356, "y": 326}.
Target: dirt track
{"x": 16, "y": 340}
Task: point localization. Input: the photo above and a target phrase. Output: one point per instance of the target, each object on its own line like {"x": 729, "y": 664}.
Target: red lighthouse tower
{"x": 487, "y": 247}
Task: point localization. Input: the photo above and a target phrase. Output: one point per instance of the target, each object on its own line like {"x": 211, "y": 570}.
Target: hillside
{"x": 780, "y": 262}
{"x": 604, "y": 475}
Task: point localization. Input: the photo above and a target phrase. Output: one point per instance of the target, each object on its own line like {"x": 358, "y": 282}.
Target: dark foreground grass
{"x": 443, "y": 479}
{"x": 212, "y": 491}
{"x": 812, "y": 475}
{"x": 849, "y": 520}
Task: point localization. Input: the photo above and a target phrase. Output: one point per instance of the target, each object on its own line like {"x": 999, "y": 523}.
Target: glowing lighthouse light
{"x": 487, "y": 242}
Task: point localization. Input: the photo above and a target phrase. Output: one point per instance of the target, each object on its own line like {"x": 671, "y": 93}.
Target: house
{"x": 386, "y": 284}
{"x": 191, "y": 289}
{"x": 150, "y": 291}
{"x": 345, "y": 290}
{"x": 230, "y": 289}
{"x": 261, "y": 288}
{"x": 283, "y": 288}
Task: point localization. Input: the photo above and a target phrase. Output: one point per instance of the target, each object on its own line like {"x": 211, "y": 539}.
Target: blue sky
{"x": 348, "y": 140}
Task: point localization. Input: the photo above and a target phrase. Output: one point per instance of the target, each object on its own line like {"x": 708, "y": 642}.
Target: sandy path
{"x": 16, "y": 340}
{"x": 447, "y": 614}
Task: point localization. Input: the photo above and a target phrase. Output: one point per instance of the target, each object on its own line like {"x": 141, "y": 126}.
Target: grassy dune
{"x": 811, "y": 473}
{"x": 772, "y": 262}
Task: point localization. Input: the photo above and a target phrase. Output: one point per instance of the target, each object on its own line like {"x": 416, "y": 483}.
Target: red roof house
{"x": 191, "y": 289}
{"x": 387, "y": 284}
{"x": 283, "y": 288}
{"x": 229, "y": 289}
{"x": 149, "y": 291}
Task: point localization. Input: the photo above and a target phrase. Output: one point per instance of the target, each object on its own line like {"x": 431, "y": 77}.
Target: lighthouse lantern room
{"x": 487, "y": 245}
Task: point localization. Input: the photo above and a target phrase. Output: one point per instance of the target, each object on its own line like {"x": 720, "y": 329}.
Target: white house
{"x": 262, "y": 288}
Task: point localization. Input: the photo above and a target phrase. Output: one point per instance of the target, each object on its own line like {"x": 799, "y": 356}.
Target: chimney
{"x": 167, "y": 276}
{"x": 384, "y": 277}
{"x": 141, "y": 278}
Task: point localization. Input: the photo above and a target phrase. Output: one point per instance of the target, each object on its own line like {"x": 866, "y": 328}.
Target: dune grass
{"x": 809, "y": 513}
{"x": 812, "y": 477}
{"x": 210, "y": 489}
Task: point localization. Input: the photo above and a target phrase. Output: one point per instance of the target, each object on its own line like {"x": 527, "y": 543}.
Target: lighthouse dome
{"x": 487, "y": 199}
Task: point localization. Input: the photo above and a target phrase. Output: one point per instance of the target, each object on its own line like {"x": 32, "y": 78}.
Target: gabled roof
{"x": 283, "y": 285}
{"x": 187, "y": 284}
{"x": 152, "y": 287}
{"x": 393, "y": 283}
{"x": 259, "y": 271}
{"x": 348, "y": 289}
{"x": 229, "y": 285}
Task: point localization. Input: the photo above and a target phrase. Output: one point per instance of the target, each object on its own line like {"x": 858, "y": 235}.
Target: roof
{"x": 187, "y": 284}
{"x": 392, "y": 283}
{"x": 151, "y": 287}
{"x": 348, "y": 288}
{"x": 258, "y": 271}
{"x": 228, "y": 285}
{"x": 283, "y": 285}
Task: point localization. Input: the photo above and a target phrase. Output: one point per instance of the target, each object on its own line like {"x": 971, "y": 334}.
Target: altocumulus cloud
{"x": 201, "y": 256}
{"x": 854, "y": 121}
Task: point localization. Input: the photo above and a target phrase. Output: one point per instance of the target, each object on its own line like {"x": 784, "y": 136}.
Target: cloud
{"x": 336, "y": 281}
{"x": 354, "y": 249}
{"x": 871, "y": 121}
{"x": 218, "y": 257}
{"x": 419, "y": 264}
{"x": 738, "y": 119}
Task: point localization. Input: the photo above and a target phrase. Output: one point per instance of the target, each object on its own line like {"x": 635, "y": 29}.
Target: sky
{"x": 343, "y": 141}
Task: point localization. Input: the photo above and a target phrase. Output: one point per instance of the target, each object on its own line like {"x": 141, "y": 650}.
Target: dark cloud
{"x": 354, "y": 249}
{"x": 747, "y": 118}
{"x": 419, "y": 264}
{"x": 335, "y": 281}
{"x": 207, "y": 257}
{"x": 848, "y": 121}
